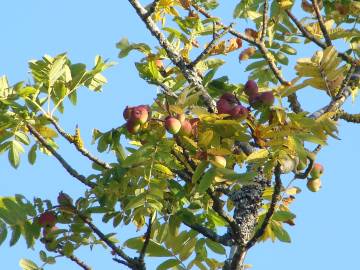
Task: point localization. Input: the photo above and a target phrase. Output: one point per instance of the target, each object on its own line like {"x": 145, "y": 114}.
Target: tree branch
{"x": 190, "y": 74}
{"x": 76, "y": 260}
{"x": 130, "y": 262}
{"x": 321, "y": 22}
{"x": 62, "y": 161}
{"x": 352, "y": 118}
{"x": 152, "y": 8}
{"x": 312, "y": 38}
{"x": 147, "y": 240}
{"x": 81, "y": 149}
{"x": 270, "y": 212}
{"x": 224, "y": 240}
{"x": 209, "y": 47}
{"x": 259, "y": 44}
{"x": 265, "y": 20}
{"x": 295, "y": 105}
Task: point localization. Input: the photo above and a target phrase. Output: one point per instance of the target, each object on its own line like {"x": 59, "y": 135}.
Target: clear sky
{"x": 326, "y": 232}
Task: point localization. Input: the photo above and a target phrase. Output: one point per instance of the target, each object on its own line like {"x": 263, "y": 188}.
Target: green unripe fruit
{"x": 317, "y": 170}
{"x": 172, "y": 125}
{"x": 314, "y": 185}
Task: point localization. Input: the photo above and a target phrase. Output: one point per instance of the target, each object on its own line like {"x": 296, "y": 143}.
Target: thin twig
{"x": 62, "y": 161}
{"x": 270, "y": 212}
{"x": 81, "y": 149}
{"x": 260, "y": 45}
{"x": 295, "y": 105}
{"x": 321, "y": 22}
{"x": 265, "y": 20}
{"x": 190, "y": 74}
{"x": 312, "y": 38}
{"x": 209, "y": 47}
{"x": 147, "y": 240}
{"x": 76, "y": 260}
{"x": 224, "y": 240}
{"x": 306, "y": 173}
{"x": 348, "y": 117}
{"x": 130, "y": 261}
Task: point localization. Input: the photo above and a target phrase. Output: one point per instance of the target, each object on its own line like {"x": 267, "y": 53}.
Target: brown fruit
{"x": 223, "y": 106}
{"x": 229, "y": 97}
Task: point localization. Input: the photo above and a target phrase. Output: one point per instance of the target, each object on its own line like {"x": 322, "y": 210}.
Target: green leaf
{"x": 283, "y": 216}
{"x": 199, "y": 171}
{"x": 14, "y": 153}
{"x": 279, "y": 232}
{"x": 15, "y": 235}
{"x": 32, "y": 154}
{"x": 135, "y": 202}
{"x": 28, "y": 265}
{"x": 206, "y": 138}
{"x": 257, "y": 155}
{"x": 154, "y": 249}
{"x": 3, "y": 232}
{"x": 170, "y": 263}
{"x": 206, "y": 180}
{"x": 68, "y": 249}
{"x": 215, "y": 247}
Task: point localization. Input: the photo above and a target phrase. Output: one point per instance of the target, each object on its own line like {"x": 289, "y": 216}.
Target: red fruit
{"x": 239, "y": 112}
{"x": 267, "y": 98}
{"x": 47, "y": 219}
{"x": 254, "y": 101}
{"x": 127, "y": 112}
{"x": 317, "y": 170}
{"x": 186, "y": 128}
{"x": 132, "y": 127}
{"x": 229, "y": 97}
{"x": 251, "y": 88}
{"x": 140, "y": 114}
{"x": 64, "y": 199}
{"x": 223, "y": 106}
{"x": 172, "y": 125}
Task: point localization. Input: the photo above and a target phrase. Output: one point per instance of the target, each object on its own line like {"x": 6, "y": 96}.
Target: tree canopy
{"x": 199, "y": 170}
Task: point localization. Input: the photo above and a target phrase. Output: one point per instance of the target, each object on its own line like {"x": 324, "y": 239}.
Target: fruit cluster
{"x": 258, "y": 100}
{"x": 229, "y": 104}
{"x": 136, "y": 117}
{"x": 180, "y": 125}
{"x": 314, "y": 182}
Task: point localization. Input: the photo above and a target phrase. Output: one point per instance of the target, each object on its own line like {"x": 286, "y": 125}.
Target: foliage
{"x": 181, "y": 187}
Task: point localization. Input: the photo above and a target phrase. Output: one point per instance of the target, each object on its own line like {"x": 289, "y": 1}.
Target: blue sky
{"x": 325, "y": 235}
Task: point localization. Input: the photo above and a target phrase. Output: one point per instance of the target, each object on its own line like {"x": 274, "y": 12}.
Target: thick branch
{"x": 270, "y": 212}
{"x": 190, "y": 74}
{"x": 76, "y": 260}
{"x": 321, "y": 22}
{"x": 81, "y": 149}
{"x": 62, "y": 161}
